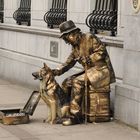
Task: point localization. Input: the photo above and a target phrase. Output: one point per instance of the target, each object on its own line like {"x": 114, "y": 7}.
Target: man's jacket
{"x": 89, "y": 46}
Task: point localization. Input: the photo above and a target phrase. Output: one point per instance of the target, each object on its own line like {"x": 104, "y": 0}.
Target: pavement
{"x": 13, "y": 95}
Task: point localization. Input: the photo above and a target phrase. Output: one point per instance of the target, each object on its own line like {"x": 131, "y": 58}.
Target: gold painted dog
{"x": 52, "y": 94}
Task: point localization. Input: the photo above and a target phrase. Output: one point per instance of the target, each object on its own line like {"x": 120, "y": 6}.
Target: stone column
{"x": 38, "y": 10}
{"x": 10, "y": 6}
{"x": 78, "y": 11}
{"x": 127, "y": 100}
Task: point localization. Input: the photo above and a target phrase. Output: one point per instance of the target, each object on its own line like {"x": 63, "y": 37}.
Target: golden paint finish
{"x": 100, "y": 75}
{"x": 98, "y": 107}
{"x": 48, "y": 91}
{"x": 136, "y": 5}
{"x": 90, "y": 46}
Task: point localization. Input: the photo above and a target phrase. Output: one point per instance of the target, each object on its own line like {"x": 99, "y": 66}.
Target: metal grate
{"x": 23, "y": 14}
{"x": 57, "y": 14}
{"x": 1, "y": 10}
{"x": 103, "y": 17}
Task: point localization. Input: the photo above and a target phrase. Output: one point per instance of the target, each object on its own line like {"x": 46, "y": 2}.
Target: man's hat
{"x": 67, "y": 27}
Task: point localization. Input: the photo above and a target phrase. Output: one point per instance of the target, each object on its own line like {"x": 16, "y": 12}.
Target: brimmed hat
{"x": 67, "y": 27}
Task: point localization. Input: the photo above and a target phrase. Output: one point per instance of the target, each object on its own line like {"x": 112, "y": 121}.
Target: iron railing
{"x": 103, "y": 17}
{"x": 23, "y": 14}
{"x": 1, "y": 10}
{"x": 57, "y": 14}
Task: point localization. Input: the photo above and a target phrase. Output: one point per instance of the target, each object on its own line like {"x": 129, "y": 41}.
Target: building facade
{"x": 23, "y": 49}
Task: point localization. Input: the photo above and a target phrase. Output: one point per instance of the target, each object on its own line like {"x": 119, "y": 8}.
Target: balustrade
{"x": 103, "y": 17}
{"x": 23, "y": 14}
{"x": 57, "y": 14}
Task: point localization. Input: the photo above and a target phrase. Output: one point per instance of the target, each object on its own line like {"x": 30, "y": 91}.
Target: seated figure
{"x": 97, "y": 74}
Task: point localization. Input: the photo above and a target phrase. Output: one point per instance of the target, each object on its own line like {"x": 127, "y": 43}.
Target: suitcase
{"x": 20, "y": 116}
{"x": 98, "y": 109}
{"x": 31, "y": 104}
{"x": 14, "y": 116}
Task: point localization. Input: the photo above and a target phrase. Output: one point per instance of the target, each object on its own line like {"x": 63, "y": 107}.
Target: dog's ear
{"x": 44, "y": 64}
{"x": 46, "y": 67}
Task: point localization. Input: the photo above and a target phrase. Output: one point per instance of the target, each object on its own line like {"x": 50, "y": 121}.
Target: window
{"x": 103, "y": 17}
{"x": 1, "y": 10}
{"x": 57, "y": 14}
{"x": 23, "y": 15}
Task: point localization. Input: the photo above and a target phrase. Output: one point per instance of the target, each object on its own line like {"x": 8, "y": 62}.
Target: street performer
{"x": 89, "y": 51}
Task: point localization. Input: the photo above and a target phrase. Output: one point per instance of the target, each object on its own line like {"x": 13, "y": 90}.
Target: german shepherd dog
{"x": 52, "y": 94}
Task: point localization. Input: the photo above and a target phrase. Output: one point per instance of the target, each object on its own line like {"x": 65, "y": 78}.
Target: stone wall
{"x": 127, "y": 105}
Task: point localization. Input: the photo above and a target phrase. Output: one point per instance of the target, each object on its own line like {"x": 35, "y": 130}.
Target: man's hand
{"x": 55, "y": 72}
{"x": 86, "y": 60}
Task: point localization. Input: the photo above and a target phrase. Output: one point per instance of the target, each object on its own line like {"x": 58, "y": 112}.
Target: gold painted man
{"x": 90, "y": 52}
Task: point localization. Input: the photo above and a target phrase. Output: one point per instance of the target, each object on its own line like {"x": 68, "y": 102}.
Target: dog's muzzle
{"x": 36, "y": 76}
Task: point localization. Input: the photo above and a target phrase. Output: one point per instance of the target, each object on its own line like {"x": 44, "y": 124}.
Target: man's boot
{"x": 73, "y": 119}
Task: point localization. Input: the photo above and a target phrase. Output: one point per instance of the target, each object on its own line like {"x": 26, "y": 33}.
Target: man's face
{"x": 70, "y": 38}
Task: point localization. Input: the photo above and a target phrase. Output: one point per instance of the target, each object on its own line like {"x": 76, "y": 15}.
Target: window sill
{"x": 108, "y": 40}
{"x": 116, "y": 41}
{"x": 31, "y": 30}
